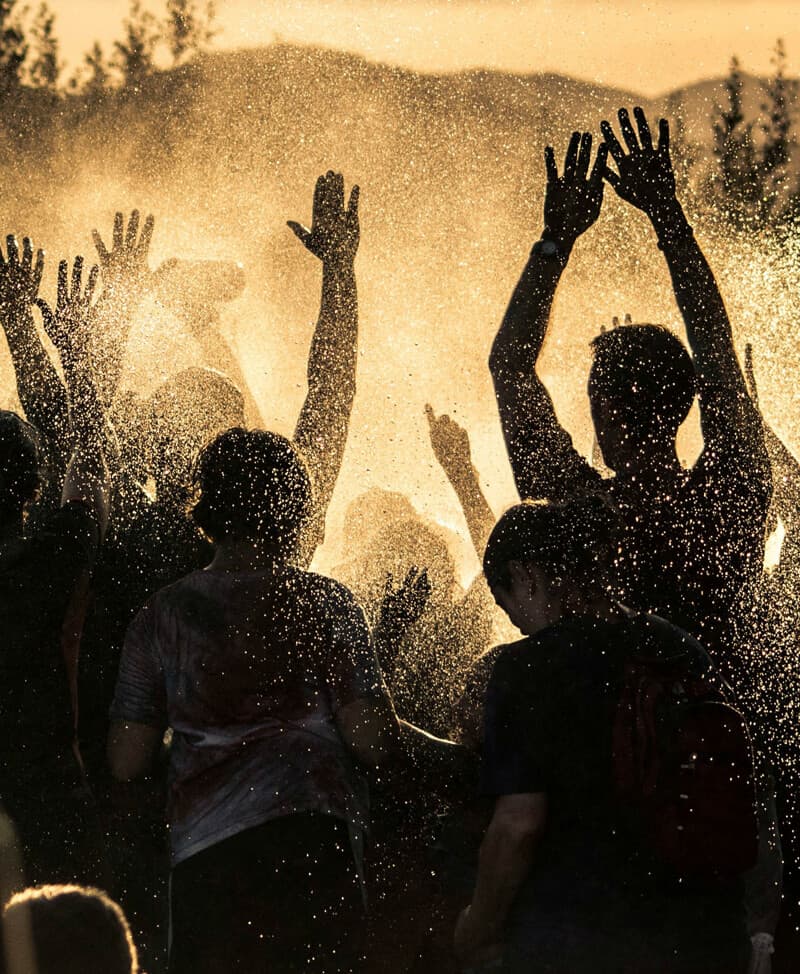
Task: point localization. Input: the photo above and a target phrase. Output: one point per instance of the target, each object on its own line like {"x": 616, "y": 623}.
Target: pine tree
{"x": 777, "y": 129}
{"x": 189, "y": 28}
{"x": 134, "y": 55}
{"x": 44, "y": 68}
{"x": 13, "y": 47}
{"x": 738, "y": 182}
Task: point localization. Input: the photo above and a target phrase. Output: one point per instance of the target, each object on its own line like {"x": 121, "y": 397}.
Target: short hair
{"x": 73, "y": 929}
{"x": 646, "y": 371}
{"x": 251, "y": 485}
{"x": 572, "y": 541}
{"x": 19, "y": 465}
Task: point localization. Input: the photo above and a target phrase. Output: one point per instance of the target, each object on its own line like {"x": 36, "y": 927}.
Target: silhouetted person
{"x": 266, "y": 676}
{"x": 66, "y": 930}
{"x": 565, "y": 882}
{"x": 693, "y": 540}
{"x": 42, "y": 575}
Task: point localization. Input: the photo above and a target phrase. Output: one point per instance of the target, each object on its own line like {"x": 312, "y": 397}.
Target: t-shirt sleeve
{"x": 140, "y": 695}
{"x": 517, "y": 740}
{"x": 353, "y": 671}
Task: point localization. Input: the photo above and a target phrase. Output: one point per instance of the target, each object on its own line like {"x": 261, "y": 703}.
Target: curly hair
{"x": 251, "y": 485}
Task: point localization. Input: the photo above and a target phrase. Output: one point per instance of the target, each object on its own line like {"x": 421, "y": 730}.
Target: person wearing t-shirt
{"x": 266, "y": 676}
{"x": 563, "y": 883}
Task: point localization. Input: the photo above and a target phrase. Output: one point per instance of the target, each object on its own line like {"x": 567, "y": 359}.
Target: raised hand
{"x": 572, "y": 201}
{"x": 125, "y": 265}
{"x": 20, "y": 277}
{"x": 645, "y": 177}
{"x": 334, "y": 232}
{"x": 68, "y": 327}
{"x": 450, "y": 441}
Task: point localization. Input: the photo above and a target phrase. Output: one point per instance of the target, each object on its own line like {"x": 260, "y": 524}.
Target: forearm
{"x": 479, "y": 517}
{"x": 506, "y": 857}
{"x": 41, "y": 393}
{"x": 321, "y": 431}
{"x": 522, "y": 332}
{"x": 708, "y": 328}
{"x": 113, "y": 314}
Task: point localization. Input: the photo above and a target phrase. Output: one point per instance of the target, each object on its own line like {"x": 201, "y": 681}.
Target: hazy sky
{"x": 647, "y": 45}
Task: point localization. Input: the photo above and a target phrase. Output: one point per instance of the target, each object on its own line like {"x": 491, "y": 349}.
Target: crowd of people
{"x": 274, "y": 770}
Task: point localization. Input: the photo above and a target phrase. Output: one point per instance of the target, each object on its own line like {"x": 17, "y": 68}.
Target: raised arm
{"x": 43, "y": 397}
{"x": 645, "y": 179}
{"x": 321, "y": 432}
{"x": 451, "y": 447}
{"x": 543, "y": 459}
{"x": 125, "y": 279}
{"x": 67, "y": 328}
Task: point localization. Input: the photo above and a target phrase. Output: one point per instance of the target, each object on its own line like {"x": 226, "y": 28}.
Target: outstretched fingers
{"x": 627, "y": 132}
{"x": 571, "y": 159}
{"x": 584, "y": 155}
{"x": 550, "y": 164}
{"x": 599, "y": 168}
{"x": 645, "y": 136}
{"x": 663, "y": 137}
{"x": 611, "y": 140}
{"x": 352, "y": 204}
{"x": 132, "y": 231}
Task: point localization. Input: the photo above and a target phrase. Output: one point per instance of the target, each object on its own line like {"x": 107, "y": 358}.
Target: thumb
{"x": 430, "y": 414}
{"x": 47, "y": 315}
{"x": 302, "y": 233}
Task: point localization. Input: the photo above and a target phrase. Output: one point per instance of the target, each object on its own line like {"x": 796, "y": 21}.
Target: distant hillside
{"x": 225, "y": 150}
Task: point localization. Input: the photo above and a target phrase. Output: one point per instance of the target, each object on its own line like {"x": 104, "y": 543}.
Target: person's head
{"x": 545, "y": 560}
{"x": 641, "y": 388}
{"x": 19, "y": 467}
{"x": 185, "y": 412}
{"x": 384, "y": 534}
{"x": 72, "y": 930}
{"x": 253, "y": 486}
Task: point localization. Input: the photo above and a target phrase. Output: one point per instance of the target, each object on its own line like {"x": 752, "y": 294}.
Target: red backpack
{"x": 683, "y": 768}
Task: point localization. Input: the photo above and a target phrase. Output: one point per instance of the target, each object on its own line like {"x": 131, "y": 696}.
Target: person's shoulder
{"x": 664, "y": 638}
{"x": 511, "y": 661}
{"x": 328, "y": 589}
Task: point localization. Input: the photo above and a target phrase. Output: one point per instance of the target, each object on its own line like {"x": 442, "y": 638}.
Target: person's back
{"x": 255, "y": 666}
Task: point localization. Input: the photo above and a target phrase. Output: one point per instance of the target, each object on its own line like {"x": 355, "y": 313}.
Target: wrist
{"x": 552, "y": 249}
{"x": 339, "y": 263}
{"x": 669, "y": 222}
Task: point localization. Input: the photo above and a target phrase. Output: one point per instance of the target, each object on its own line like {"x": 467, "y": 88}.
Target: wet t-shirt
{"x": 550, "y": 711}
{"x": 249, "y": 670}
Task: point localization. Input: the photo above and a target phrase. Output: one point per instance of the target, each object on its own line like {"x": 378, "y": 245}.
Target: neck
{"x": 652, "y": 468}
{"x": 246, "y": 556}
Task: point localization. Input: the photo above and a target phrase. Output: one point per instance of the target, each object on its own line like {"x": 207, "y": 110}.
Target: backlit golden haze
{"x": 452, "y": 177}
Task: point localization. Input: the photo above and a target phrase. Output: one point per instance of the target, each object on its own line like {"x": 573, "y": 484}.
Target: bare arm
{"x": 86, "y": 479}
{"x": 125, "y": 275}
{"x": 131, "y": 748}
{"x": 543, "y": 459}
{"x": 321, "y": 432}
{"x": 506, "y": 857}
{"x": 40, "y": 391}
{"x": 645, "y": 178}
{"x": 370, "y": 729}
{"x": 451, "y": 447}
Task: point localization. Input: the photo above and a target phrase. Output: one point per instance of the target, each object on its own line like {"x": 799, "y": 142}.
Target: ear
{"x": 520, "y": 574}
